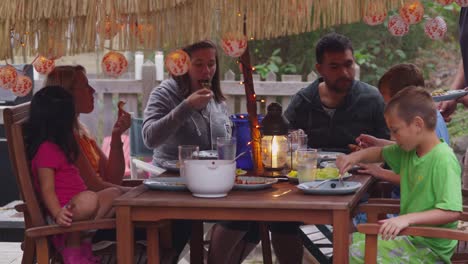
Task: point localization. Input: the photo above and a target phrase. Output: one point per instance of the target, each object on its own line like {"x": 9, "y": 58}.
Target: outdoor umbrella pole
{"x": 251, "y": 107}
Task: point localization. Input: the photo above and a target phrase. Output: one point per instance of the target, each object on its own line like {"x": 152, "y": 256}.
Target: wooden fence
{"x": 136, "y": 93}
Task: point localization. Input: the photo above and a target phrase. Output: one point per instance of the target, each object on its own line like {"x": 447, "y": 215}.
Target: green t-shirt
{"x": 432, "y": 181}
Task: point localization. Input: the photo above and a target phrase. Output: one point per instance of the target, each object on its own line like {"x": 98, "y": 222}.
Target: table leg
{"x": 125, "y": 240}
{"x": 152, "y": 249}
{"x": 196, "y": 243}
{"x": 341, "y": 224}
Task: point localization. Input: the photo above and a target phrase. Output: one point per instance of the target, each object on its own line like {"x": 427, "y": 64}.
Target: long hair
{"x": 52, "y": 118}
{"x": 184, "y": 80}
{"x": 65, "y": 76}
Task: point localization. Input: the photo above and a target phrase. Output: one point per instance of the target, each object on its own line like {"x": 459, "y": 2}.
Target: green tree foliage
{"x": 375, "y": 48}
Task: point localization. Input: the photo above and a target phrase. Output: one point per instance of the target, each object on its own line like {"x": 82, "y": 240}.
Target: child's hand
{"x": 392, "y": 227}
{"x": 64, "y": 216}
{"x": 371, "y": 168}
{"x": 366, "y": 141}
{"x": 344, "y": 163}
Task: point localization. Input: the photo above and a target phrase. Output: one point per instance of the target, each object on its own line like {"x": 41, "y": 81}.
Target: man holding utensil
{"x": 447, "y": 108}
{"x": 336, "y": 108}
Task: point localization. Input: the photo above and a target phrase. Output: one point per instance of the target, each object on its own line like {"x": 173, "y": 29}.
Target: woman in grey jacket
{"x": 187, "y": 110}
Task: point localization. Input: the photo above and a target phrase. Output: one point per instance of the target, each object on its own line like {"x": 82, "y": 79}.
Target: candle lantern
{"x": 274, "y": 141}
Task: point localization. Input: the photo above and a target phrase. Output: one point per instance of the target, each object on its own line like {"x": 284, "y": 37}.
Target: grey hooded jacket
{"x": 169, "y": 122}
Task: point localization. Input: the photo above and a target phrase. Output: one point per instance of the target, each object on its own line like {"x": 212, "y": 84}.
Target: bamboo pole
{"x": 251, "y": 107}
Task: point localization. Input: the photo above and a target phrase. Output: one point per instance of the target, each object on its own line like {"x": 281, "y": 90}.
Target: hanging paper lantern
{"x": 397, "y": 26}
{"x": 462, "y": 3}
{"x": 445, "y": 2}
{"x": 43, "y": 65}
{"x": 374, "y": 15}
{"x": 23, "y": 86}
{"x": 177, "y": 62}
{"x": 114, "y": 64}
{"x": 412, "y": 12}
{"x": 234, "y": 44}
{"x": 110, "y": 29}
{"x": 8, "y": 77}
{"x": 435, "y": 28}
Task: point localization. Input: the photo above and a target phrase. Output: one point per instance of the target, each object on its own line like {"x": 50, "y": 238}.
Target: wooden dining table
{"x": 282, "y": 202}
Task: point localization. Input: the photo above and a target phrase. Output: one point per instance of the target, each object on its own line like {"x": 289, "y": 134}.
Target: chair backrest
{"x": 137, "y": 147}
{"x": 14, "y": 119}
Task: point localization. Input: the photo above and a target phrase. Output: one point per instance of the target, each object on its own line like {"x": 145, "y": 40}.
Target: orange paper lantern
{"x": 445, "y": 2}
{"x": 8, "y": 77}
{"x": 43, "y": 65}
{"x": 397, "y": 26}
{"x": 234, "y": 44}
{"x": 177, "y": 62}
{"x": 114, "y": 64}
{"x": 23, "y": 86}
{"x": 412, "y": 12}
{"x": 462, "y": 3}
{"x": 435, "y": 28}
{"x": 374, "y": 15}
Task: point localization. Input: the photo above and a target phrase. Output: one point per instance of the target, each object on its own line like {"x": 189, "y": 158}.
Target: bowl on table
{"x": 210, "y": 178}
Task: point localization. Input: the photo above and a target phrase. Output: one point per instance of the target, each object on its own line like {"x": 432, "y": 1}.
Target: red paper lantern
{"x": 462, "y": 3}
{"x": 114, "y": 64}
{"x": 445, "y": 2}
{"x": 110, "y": 29}
{"x": 412, "y": 12}
{"x": 435, "y": 28}
{"x": 397, "y": 26}
{"x": 43, "y": 65}
{"x": 373, "y": 15}
{"x": 8, "y": 77}
{"x": 177, "y": 62}
{"x": 23, "y": 86}
{"x": 234, "y": 44}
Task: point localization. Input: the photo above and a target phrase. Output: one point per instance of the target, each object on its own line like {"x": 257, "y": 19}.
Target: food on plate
{"x": 240, "y": 172}
{"x": 354, "y": 147}
{"x": 249, "y": 181}
{"x": 327, "y": 173}
{"x": 292, "y": 174}
{"x": 438, "y": 92}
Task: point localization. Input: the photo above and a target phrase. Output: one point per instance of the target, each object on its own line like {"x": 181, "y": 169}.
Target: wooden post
{"x": 148, "y": 73}
{"x": 251, "y": 107}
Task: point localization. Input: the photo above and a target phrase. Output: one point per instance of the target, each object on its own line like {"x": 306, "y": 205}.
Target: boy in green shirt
{"x": 430, "y": 181}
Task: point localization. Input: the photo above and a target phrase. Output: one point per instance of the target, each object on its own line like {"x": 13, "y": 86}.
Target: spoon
{"x": 238, "y": 156}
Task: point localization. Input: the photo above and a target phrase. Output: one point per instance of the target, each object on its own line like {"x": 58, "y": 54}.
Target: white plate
{"x": 296, "y": 180}
{"x": 265, "y": 183}
{"x": 449, "y": 95}
{"x": 148, "y": 167}
{"x": 171, "y": 165}
{"x": 208, "y": 154}
{"x": 329, "y": 154}
{"x": 330, "y": 188}
{"x": 166, "y": 183}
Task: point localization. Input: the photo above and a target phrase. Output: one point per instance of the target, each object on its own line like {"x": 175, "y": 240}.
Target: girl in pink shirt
{"x": 53, "y": 150}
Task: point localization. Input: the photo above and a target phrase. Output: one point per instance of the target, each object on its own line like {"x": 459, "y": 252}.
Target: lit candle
{"x": 274, "y": 152}
{"x": 138, "y": 64}
{"x": 159, "y": 63}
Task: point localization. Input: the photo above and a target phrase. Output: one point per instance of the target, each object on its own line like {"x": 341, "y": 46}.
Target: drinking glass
{"x": 186, "y": 152}
{"x": 296, "y": 140}
{"x": 226, "y": 147}
{"x": 306, "y": 164}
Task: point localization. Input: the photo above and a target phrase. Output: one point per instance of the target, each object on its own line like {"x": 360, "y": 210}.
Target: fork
{"x": 316, "y": 186}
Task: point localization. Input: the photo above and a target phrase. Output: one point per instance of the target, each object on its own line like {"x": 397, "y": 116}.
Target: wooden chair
{"x": 375, "y": 209}
{"x": 37, "y": 229}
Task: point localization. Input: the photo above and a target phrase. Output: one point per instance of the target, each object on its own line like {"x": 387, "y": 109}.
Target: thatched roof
{"x": 72, "y": 26}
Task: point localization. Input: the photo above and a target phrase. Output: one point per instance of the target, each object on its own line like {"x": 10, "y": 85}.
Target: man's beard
{"x": 340, "y": 89}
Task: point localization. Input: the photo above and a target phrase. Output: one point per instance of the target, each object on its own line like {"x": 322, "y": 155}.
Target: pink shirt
{"x": 68, "y": 181}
